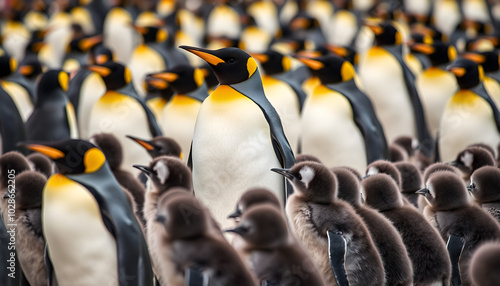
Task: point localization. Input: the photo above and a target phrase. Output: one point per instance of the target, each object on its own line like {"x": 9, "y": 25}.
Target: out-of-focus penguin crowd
{"x": 238, "y": 142}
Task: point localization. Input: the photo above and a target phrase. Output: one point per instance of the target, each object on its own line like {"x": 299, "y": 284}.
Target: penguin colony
{"x": 262, "y": 142}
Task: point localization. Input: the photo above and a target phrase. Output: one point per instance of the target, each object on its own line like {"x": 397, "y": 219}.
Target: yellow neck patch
{"x": 251, "y": 66}
{"x": 287, "y": 63}
{"x": 93, "y": 160}
{"x": 199, "y": 77}
{"x": 347, "y": 71}
{"x": 63, "y": 80}
{"x": 225, "y": 93}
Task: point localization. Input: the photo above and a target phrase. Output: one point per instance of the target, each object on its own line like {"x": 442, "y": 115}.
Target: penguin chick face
{"x": 381, "y": 192}
{"x": 438, "y": 53}
{"x": 52, "y": 87}
{"x": 253, "y": 197}
{"x": 445, "y": 191}
{"x": 262, "y": 227}
{"x": 11, "y": 162}
{"x": 72, "y": 156}
{"x": 485, "y": 184}
{"x": 348, "y": 186}
{"x": 489, "y": 60}
{"x": 311, "y": 181}
{"x": 468, "y": 73}
{"x": 273, "y": 62}
{"x": 386, "y": 34}
{"x": 384, "y": 167}
{"x": 114, "y": 75}
{"x": 230, "y": 65}
{"x": 182, "y": 216}
{"x": 183, "y": 78}
{"x": 8, "y": 65}
{"x": 111, "y": 148}
{"x": 166, "y": 172}
{"x": 29, "y": 187}
{"x": 330, "y": 69}
{"x": 473, "y": 158}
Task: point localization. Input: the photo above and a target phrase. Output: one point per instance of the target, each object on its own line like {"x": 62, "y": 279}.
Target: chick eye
{"x": 231, "y": 60}
{"x": 299, "y": 176}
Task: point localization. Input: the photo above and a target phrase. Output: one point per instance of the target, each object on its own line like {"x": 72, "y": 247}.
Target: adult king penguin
{"x": 389, "y": 82}
{"x": 339, "y": 124}
{"x": 93, "y": 237}
{"x": 238, "y": 135}
{"x": 470, "y": 116}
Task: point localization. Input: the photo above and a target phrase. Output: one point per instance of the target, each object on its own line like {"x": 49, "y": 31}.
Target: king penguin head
{"x": 231, "y": 65}
{"x": 386, "y": 34}
{"x": 468, "y": 73}
{"x": 273, "y": 62}
{"x": 115, "y": 75}
{"x": 330, "y": 69}
{"x": 72, "y": 156}
{"x": 8, "y": 65}
{"x": 183, "y": 78}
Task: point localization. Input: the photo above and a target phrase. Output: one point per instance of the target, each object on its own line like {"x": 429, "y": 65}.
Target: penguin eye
{"x": 231, "y": 60}
{"x": 299, "y": 176}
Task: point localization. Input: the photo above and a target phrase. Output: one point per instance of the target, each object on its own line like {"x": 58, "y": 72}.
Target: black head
{"x": 381, "y": 192}
{"x": 111, "y": 148}
{"x": 348, "y": 186}
{"x": 41, "y": 163}
{"x": 101, "y": 55}
{"x": 306, "y": 157}
{"x": 8, "y": 65}
{"x": 210, "y": 77}
{"x": 115, "y": 75}
{"x": 253, "y": 197}
{"x": 30, "y": 67}
{"x": 273, "y": 62}
{"x": 160, "y": 146}
{"x": 29, "y": 187}
{"x": 485, "y": 184}
{"x": 231, "y": 65}
{"x": 182, "y": 216}
{"x": 490, "y": 60}
{"x": 34, "y": 46}
{"x": 304, "y": 21}
{"x": 384, "y": 167}
{"x": 445, "y": 191}
{"x": 311, "y": 181}
{"x": 438, "y": 53}
{"x": 83, "y": 44}
{"x": 484, "y": 264}
{"x": 183, "y": 78}
{"x": 411, "y": 179}
{"x": 52, "y": 87}
{"x": 11, "y": 163}
{"x": 330, "y": 68}
{"x": 157, "y": 87}
{"x": 262, "y": 227}
{"x": 167, "y": 172}
{"x": 386, "y": 34}
{"x": 468, "y": 73}
{"x": 473, "y": 158}
{"x": 346, "y": 52}
{"x": 72, "y": 156}
{"x": 152, "y": 34}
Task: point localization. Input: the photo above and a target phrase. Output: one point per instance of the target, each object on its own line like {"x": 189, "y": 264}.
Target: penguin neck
{"x": 199, "y": 94}
{"x": 128, "y": 89}
{"x": 252, "y": 87}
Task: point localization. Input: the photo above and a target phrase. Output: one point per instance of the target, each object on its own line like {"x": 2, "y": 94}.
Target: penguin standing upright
{"x": 178, "y": 117}
{"x": 88, "y": 222}
{"x": 470, "y": 115}
{"x": 238, "y": 135}
{"x": 398, "y": 107}
{"x": 490, "y": 61}
{"x": 53, "y": 118}
{"x": 339, "y": 125}
{"x": 120, "y": 111}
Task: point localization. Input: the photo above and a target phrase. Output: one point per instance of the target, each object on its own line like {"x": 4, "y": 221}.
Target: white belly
{"x": 232, "y": 152}
{"x": 119, "y": 35}
{"x": 464, "y": 124}
{"x": 20, "y": 97}
{"x": 144, "y": 60}
{"x": 435, "y": 88}
{"x": 493, "y": 89}
{"x": 92, "y": 89}
{"x": 82, "y": 250}
{"x": 329, "y": 132}
{"x": 124, "y": 116}
{"x": 178, "y": 120}
{"x": 383, "y": 83}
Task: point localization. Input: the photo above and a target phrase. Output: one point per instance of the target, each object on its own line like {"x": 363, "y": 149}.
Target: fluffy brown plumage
{"x": 436, "y": 167}
{"x": 485, "y": 189}
{"x": 485, "y": 265}
{"x": 411, "y": 181}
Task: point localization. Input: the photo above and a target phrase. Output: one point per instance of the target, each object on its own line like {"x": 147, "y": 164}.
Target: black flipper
{"x": 366, "y": 120}
{"x": 455, "y": 246}
{"x": 426, "y": 142}
{"x": 153, "y": 125}
{"x": 481, "y": 91}
{"x": 336, "y": 251}
{"x": 280, "y": 142}
{"x": 11, "y": 123}
{"x": 194, "y": 277}
{"x": 133, "y": 257}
